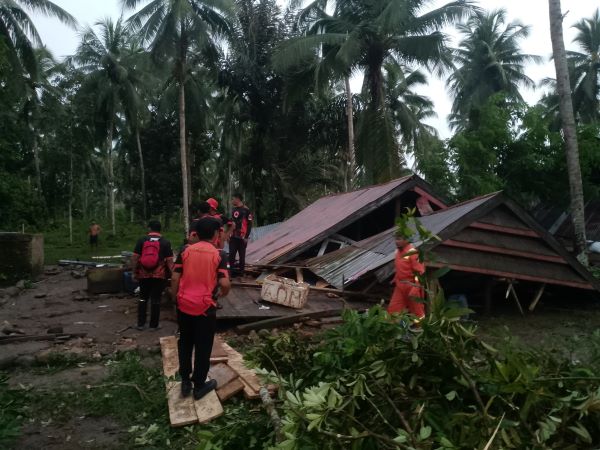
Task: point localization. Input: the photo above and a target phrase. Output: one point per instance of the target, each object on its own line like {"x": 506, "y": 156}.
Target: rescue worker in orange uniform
{"x": 407, "y": 285}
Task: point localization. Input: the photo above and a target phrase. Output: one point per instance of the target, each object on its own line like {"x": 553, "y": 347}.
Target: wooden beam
{"x": 516, "y": 276}
{"x": 299, "y": 275}
{"x": 511, "y": 288}
{"x": 503, "y": 251}
{"x": 247, "y": 376}
{"x": 430, "y": 197}
{"x": 504, "y": 229}
{"x": 537, "y": 297}
{"x": 286, "y": 320}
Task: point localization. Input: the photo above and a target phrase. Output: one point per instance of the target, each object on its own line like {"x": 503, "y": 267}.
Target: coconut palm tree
{"x": 364, "y": 36}
{"x": 174, "y": 29}
{"x": 489, "y": 60}
{"x": 19, "y": 35}
{"x": 569, "y": 130}
{"x": 586, "y": 69}
{"x": 107, "y": 61}
{"x": 39, "y": 88}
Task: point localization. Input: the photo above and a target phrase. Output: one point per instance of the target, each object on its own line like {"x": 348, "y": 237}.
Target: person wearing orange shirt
{"x": 200, "y": 276}
{"x": 407, "y": 285}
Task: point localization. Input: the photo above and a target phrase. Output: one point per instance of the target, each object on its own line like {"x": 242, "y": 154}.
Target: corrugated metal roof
{"x": 260, "y": 232}
{"x": 344, "y": 266}
{"x": 326, "y": 215}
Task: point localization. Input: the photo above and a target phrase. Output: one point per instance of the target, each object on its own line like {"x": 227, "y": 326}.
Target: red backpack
{"x": 150, "y": 256}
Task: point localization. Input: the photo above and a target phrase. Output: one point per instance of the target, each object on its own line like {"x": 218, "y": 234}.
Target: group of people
{"x": 199, "y": 276}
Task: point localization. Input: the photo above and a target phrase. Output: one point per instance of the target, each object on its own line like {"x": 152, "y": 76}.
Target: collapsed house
{"x": 493, "y": 247}
{"x": 339, "y": 220}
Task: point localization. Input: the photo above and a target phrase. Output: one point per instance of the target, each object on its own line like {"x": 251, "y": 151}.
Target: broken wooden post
{"x": 537, "y": 297}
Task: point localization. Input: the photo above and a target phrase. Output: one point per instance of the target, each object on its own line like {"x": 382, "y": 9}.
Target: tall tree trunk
{"x": 351, "y": 163}
{"x": 111, "y": 178}
{"x": 142, "y": 173}
{"x": 569, "y": 129}
{"x": 183, "y": 155}
{"x": 36, "y": 160}
{"x": 71, "y": 197}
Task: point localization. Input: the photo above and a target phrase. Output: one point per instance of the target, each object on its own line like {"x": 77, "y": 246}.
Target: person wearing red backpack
{"x": 200, "y": 277}
{"x": 153, "y": 263}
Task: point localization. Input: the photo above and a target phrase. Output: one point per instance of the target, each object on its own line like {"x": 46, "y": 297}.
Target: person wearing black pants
{"x": 152, "y": 263}
{"x": 200, "y": 276}
{"x": 242, "y": 219}
{"x": 196, "y": 332}
{"x": 237, "y": 246}
{"x": 151, "y": 289}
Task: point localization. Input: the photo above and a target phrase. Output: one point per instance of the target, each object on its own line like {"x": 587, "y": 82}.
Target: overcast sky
{"x": 62, "y": 40}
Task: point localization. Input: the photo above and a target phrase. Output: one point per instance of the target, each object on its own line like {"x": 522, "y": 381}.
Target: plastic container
{"x": 284, "y": 291}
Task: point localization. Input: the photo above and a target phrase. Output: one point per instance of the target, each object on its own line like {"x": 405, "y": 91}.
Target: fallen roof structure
{"x": 558, "y": 221}
{"x": 489, "y": 235}
{"x": 340, "y": 220}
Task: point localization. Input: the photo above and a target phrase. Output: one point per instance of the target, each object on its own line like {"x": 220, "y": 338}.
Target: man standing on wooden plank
{"x": 152, "y": 264}
{"x": 200, "y": 277}
{"x": 407, "y": 286}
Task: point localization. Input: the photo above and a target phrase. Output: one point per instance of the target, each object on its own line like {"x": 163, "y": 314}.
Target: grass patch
{"x": 134, "y": 396}
{"x": 57, "y": 245}
{"x": 11, "y": 417}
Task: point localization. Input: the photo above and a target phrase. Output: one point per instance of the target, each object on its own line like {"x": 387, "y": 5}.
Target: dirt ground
{"x": 60, "y": 300}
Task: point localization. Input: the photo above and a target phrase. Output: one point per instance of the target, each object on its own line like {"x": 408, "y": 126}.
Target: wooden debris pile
{"x": 227, "y": 368}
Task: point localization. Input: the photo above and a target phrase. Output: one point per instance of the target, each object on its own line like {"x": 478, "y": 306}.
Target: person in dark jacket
{"x": 242, "y": 219}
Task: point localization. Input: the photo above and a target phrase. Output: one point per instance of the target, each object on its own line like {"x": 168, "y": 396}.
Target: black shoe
{"x": 201, "y": 391}
{"x": 186, "y": 388}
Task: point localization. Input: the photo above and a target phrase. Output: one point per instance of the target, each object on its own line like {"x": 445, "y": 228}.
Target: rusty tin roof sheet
{"x": 325, "y": 216}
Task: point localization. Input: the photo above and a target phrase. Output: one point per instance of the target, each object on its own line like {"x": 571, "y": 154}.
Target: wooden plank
{"x": 287, "y": 320}
{"x": 222, "y": 374}
{"x": 510, "y": 241}
{"x": 517, "y": 276}
{"x": 503, "y": 229}
{"x": 182, "y": 411}
{"x": 170, "y": 358}
{"x": 503, "y": 251}
{"x": 230, "y": 389}
{"x": 218, "y": 349}
{"x": 537, "y": 297}
{"x": 247, "y": 376}
{"x": 208, "y": 407}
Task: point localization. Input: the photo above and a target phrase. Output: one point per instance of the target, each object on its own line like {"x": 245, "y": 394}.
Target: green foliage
{"x": 10, "y": 413}
{"x": 374, "y": 384}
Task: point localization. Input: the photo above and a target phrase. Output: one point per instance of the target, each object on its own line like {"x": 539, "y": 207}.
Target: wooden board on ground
{"x": 208, "y": 407}
{"x": 222, "y": 374}
{"x": 218, "y": 350}
{"x": 168, "y": 348}
{"x": 247, "y": 376}
{"x": 230, "y": 389}
{"x": 185, "y": 411}
{"x": 182, "y": 411}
